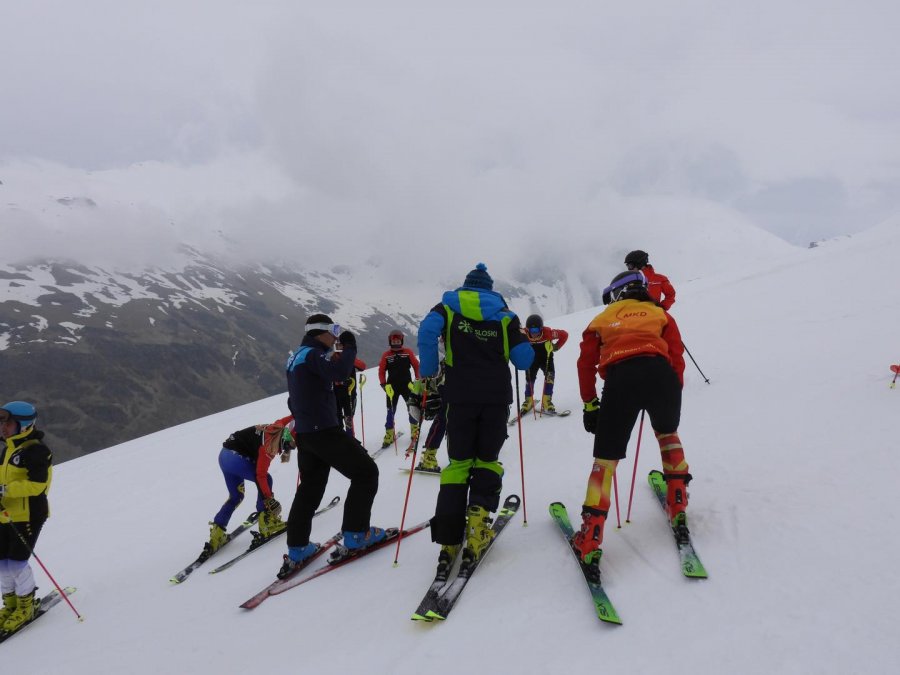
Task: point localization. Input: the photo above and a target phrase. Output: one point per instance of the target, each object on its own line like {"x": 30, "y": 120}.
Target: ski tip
{"x": 420, "y": 617}
{"x": 432, "y": 616}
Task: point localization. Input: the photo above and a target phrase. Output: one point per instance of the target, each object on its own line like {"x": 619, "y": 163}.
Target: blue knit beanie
{"x": 479, "y": 278}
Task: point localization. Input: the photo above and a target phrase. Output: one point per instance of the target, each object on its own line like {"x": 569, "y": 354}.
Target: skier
{"x": 481, "y": 335}
{"x": 345, "y": 397}
{"x": 311, "y": 372}
{"x": 394, "y": 377}
{"x": 25, "y": 475}
{"x": 658, "y": 285}
{"x": 545, "y": 341}
{"x": 636, "y": 348}
{"x": 246, "y": 455}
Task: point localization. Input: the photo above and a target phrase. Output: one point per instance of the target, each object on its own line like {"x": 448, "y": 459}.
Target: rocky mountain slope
{"x": 109, "y": 355}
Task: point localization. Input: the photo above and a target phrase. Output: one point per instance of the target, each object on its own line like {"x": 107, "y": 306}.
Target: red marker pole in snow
{"x": 896, "y": 371}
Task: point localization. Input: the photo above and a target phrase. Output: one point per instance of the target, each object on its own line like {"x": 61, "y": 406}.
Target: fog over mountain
{"x": 182, "y": 184}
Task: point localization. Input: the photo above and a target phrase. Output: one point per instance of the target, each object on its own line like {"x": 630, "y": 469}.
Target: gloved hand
{"x": 287, "y": 440}
{"x": 4, "y": 518}
{"x": 273, "y": 506}
{"x": 347, "y": 339}
{"x": 590, "y": 415}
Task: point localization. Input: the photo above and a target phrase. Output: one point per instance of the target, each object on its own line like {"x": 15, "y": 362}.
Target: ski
{"x": 377, "y": 453}
{"x": 437, "y": 472}
{"x": 431, "y": 595}
{"x": 516, "y": 418}
{"x": 259, "y": 540}
{"x": 43, "y": 606}
{"x": 690, "y": 561}
{"x": 555, "y": 413}
{"x": 442, "y": 604}
{"x": 541, "y": 413}
{"x": 264, "y": 594}
{"x": 206, "y": 554}
{"x": 604, "y": 608}
{"x": 347, "y": 556}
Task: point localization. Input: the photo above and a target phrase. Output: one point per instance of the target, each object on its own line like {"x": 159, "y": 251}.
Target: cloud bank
{"x": 414, "y": 136}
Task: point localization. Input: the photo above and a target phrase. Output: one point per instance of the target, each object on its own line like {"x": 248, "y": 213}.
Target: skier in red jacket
{"x": 658, "y": 285}
{"x": 394, "y": 378}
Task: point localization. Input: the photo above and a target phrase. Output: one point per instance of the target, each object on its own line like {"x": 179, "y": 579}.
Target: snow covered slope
{"x": 794, "y": 452}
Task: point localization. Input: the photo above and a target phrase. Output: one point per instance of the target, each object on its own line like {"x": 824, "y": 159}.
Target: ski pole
{"x": 362, "y": 412}
{"x": 637, "y": 454}
{"x": 43, "y": 567}
{"x": 705, "y": 378}
{"x": 896, "y": 370}
{"x": 412, "y": 470}
{"x": 521, "y": 453}
{"x": 616, "y": 493}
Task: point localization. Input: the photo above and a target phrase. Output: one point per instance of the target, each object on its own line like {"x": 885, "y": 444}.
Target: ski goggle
{"x": 332, "y": 328}
{"x": 535, "y": 331}
{"x": 612, "y": 292}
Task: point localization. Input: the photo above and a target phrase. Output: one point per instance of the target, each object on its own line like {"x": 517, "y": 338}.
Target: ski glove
{"x": 590, "y": 415}
{"x": 273, "y": 506}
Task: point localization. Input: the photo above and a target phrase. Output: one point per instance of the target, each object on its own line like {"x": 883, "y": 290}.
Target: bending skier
{"x": 659, "y": 287}
{"x": 246, "y": 455}
{"x": 545, "y": 341}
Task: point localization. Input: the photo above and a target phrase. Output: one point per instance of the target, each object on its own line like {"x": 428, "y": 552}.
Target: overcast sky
{"x": 354, "y": 130}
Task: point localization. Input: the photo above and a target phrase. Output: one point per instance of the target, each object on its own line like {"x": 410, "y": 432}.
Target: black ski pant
{"x": 475, "y": 434}
{"x": 11, "y": 535}
{"x": 317, "y": 453}
{"x": 642, "y": 383}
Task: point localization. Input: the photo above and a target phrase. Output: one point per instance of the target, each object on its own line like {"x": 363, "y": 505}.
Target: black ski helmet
{"x": 534, "y": 321}
{"x": 637, "y": 259}
{"x": 622, "y": 283}
{"x": 395, "y": 338}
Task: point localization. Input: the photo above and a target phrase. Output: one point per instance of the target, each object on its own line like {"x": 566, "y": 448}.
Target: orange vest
{"x": 625, "y": 329}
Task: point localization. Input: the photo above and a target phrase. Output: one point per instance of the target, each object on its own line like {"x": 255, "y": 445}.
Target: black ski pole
{"x": 705, "y": 378}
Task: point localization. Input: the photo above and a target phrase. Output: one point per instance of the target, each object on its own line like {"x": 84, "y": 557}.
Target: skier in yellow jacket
{"x": 25, "y": 474}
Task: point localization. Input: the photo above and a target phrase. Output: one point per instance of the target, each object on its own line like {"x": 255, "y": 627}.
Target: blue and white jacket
{"x": 481, "y": 337}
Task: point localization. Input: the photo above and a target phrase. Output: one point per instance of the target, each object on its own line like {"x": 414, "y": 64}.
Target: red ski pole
{"x": 412, "y": 470}
{"x": 616, "y": 493}
{"x": 637, "y": 454}
{"x": 43, "y": 567}
{"x": 896, "y": 370}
